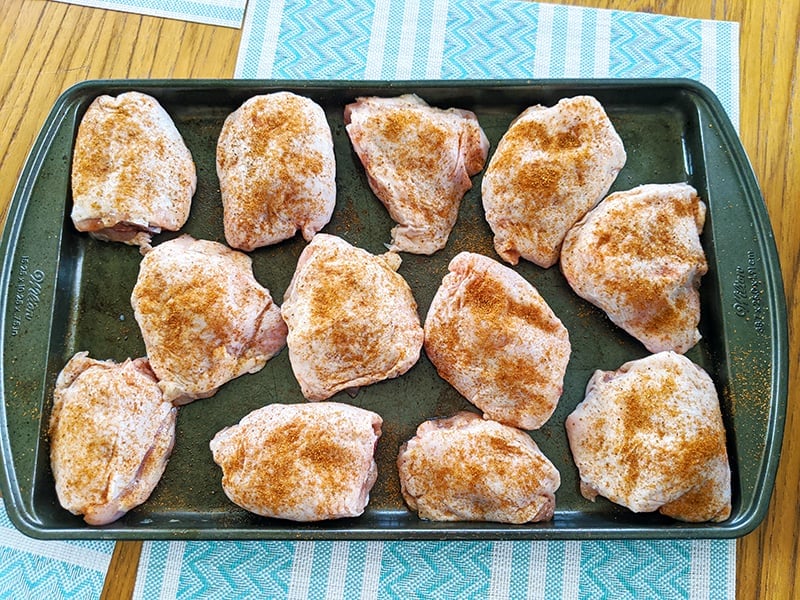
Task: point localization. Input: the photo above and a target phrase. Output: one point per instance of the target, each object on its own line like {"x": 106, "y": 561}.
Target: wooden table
{"x": 47, "y": 46}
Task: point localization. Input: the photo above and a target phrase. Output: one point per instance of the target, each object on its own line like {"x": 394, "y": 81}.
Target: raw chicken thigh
{"x": 132, "y": 174}
{"x": 111, "y": 434}
{"x": 352, "y": 319}
{"x": 276, "y": 170}
{"x": 304, "y": 462}
{"x": 418, "y": 161}
{"x": 649, "y": 436}
{"x": 465, "y": 468}
{"x": 204, "y": 318}
{"x": 638, "y": 257}
{"x": 493, "y": 337}
{"x": 550, "y": 168}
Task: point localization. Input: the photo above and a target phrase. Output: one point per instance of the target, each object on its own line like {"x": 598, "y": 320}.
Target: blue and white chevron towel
{"x": 43, "y": 569}
{"x": 226, "y": 13}
{"x": 482, "y": 39}
{"x": 636, "y": 570}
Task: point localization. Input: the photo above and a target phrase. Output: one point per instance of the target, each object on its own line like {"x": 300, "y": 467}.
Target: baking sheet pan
{"x": 63, "y": 292}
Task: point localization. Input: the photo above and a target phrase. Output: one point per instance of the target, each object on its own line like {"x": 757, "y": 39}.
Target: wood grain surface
{"x": 47, "y": 46}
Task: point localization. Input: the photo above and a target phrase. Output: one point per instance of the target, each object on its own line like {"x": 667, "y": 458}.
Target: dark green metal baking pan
{"x": 63, "y": 292}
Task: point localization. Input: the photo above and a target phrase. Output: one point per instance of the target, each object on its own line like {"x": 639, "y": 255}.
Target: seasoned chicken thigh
{"x": 550, "y": 168}
{"x": 494, "y": 338}
{"x": 352, "y": 319}
{"x": 132, "y": 174}
{"x": 418, "y": 162}
{"x": 204, "y": 318}
{"x": 276, "y": 170}
{"x": 649, "y": 436}
{"x": 304, "y": 462}
{"x": 465, "y": 468}
{"x": 638, "y": 257}
{"x": 111, "y": 434}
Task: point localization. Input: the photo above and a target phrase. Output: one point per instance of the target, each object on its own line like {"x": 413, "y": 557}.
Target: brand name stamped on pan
{"x": 748, "y": 291}
{"x": 27, "y": 294}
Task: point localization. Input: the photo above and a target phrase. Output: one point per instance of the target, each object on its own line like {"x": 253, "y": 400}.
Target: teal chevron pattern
{"x": 655, "y": 46}
{"x": 38, "y": 569}
{"x": 236, "y": 566}
{"x": 636, "y": 569}
{"x": 482, "y": 39}
{"x": 323, "y": 40}
{"x": 435, "y": 570}
{"x": 489, "y": 39}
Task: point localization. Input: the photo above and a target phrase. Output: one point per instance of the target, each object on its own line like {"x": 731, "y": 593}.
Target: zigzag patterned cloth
{"x": 44, "y": 569}
{"x": 441, "y": 39}
{"x": 636, "y": 570}
{"x": 482, "y": 39}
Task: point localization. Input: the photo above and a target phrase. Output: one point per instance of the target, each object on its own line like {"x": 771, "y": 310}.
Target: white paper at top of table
{"x": 226, "y": 13}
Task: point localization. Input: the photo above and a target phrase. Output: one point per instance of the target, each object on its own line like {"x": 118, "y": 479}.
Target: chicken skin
{"x": 111, "y": 434}
{"x": 418, "y": 161}
{"x": 464, "y": 468}
{"x": 491, "y": 335}
{"x": 638, "y": 257}
{"x": 650, "y": 436}
{"x": 276, "y": 169}
{"x": 204, "y": 318}
{"x": 352, "y": 318}
{"x": 303, "y": 462}
{"x": 551, "y": 167}
{"x": 132, "y": 174}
